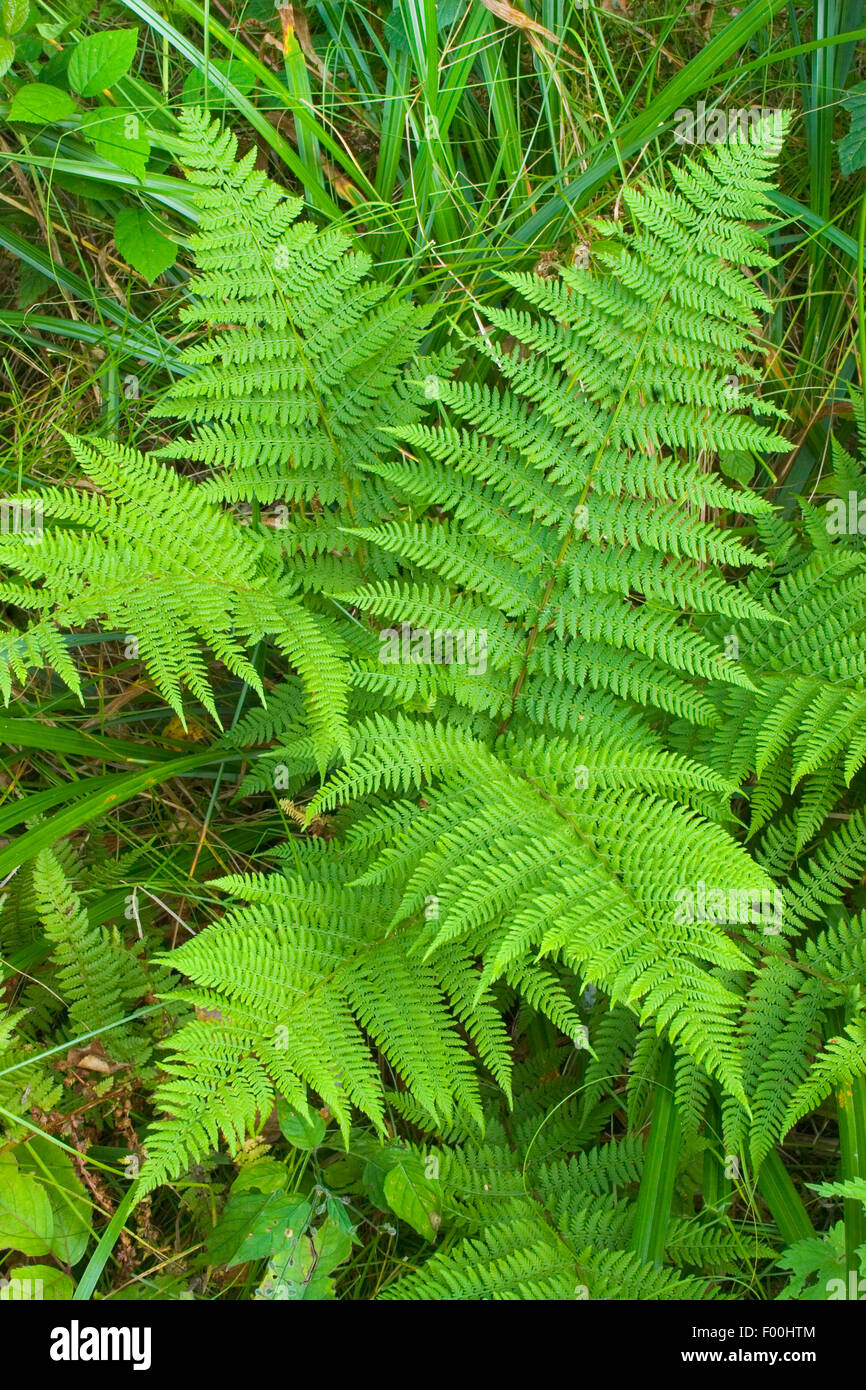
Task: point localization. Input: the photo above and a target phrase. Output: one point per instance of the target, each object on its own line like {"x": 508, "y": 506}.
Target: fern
{"x": 799, "y": 737}
{"x": 95, "y": 975}
{"x": 292, "y": 989}
{"x": 148, "y": 554}
{"x": 537, "y": 1228}
{"x": 484, "y": 809}
{"x": 299, "y": 340}
{"x": 306, "y": 362}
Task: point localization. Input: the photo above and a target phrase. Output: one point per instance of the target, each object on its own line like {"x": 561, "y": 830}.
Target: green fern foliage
{"x": 799, "y": 737}
{"x": 96, "y": 978}
{"x": 306, "y": 360}
{"x": 144, "y": 551}
{"x": 291, "y": 990}
{"x": 560, "y": 522}
{"x": 559, "y": 1227}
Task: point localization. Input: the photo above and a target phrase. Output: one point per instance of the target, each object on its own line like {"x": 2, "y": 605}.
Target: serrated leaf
{"x": 7, "y": 54}
{"x": 851, "y": 1189}
{"x": 40, "y": 104}
{"x": 119, "y": 137}
{"x": 302, "y": 1271}
{"x": 102, "y": 59}
{"x": 265, "y": 1175}
{"x": 814, "y": 1263}
{"x": 139, "y": 242}
{"x": 52, "y": 31}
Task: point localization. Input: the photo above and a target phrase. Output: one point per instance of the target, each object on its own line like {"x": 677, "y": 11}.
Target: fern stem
{"x": 861, "y": 306}
{"x": 781, "y": 1196}
{"x": 851, "y": 1110}
{"x": 660, "y": 1169}
{"x": 715, "y": 1187}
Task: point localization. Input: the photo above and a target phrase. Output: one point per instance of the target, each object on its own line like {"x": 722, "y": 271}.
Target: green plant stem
{"x": 660, "y": 1169}
{"x": 851, "y": 1111}
{"x": 861, "y": 310}
{"x": 780, "y": 1194}
{"x": 108, "y": 1240}
{"x": 716, "y": 1188}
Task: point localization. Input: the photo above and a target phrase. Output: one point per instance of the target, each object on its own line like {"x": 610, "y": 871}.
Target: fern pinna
{"x": 800, "y": 734}
{"x": 795, "y": 745}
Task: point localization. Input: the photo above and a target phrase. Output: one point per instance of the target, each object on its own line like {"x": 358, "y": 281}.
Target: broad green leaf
{"x": 15, "y": 15}
{"x": 343, "y": 1175}
{"x": 102, "y": 59}
{"x": 139, "y": 242}
{"x": 7, "y": 53}
{"x": 737, "y": 464}
{"x": 254, "y": 1225}
{"x": 301, "y": 1272}
{"x": 414, "y": 1197}
{"x": 265, "y": 1175}
{"x": 32, "y": 287}
{"x": 39, "y": 104}
{"x": 56, "y": 68}
{"x": 52, "y": 1167}
{"x": 338, "y": 1211}
{"x": 28, "y": 49}
{"x": 25, "y": 1283}
{"x": 26, "y": 1220}
{"x": 118, "y": 136}
{"x": 381, "y": 1163}
{"x": 302, "y": 1131}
